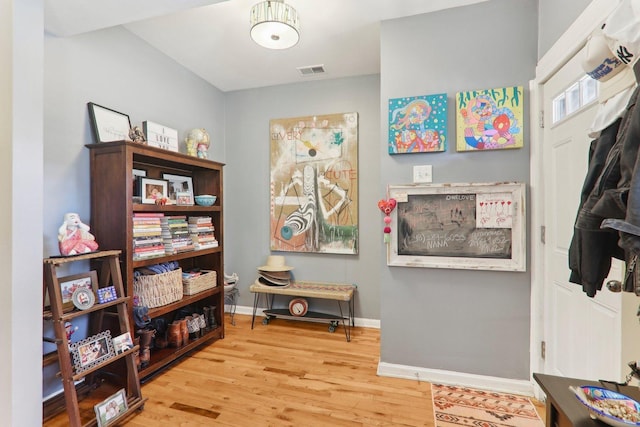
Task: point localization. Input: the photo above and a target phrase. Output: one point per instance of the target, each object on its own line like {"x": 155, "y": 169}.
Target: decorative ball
{"x": 387, "y": 219}
{"x": 387, "y": 230}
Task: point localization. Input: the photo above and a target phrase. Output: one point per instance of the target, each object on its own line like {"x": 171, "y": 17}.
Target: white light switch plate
{"x": 422, "y": 174}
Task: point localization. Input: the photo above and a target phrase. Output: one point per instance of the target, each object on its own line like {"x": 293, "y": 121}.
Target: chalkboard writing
{"x": 455, "y": 225}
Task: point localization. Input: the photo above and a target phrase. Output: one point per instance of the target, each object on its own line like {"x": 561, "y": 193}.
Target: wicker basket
{"x": 155, "y": 290}
{"x": 205, "y": 281}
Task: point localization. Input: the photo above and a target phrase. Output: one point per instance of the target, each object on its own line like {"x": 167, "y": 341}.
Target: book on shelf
{"x": 149, "y": 254}
{"x": 148, "y": 215}
{"x": 155, "y": 247}
{"x": 146, "y": 240}
{"x": 139, "y": 233}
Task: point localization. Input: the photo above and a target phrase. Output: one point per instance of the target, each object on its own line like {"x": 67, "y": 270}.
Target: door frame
{"x": 564, "y": 49}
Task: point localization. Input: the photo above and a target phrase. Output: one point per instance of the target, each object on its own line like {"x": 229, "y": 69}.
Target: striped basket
{"x": 205, "y": 281}
{"x": 156, "y": 290}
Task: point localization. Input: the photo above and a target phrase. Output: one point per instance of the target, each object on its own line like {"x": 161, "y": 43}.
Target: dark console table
{"x": 563, "y": 407}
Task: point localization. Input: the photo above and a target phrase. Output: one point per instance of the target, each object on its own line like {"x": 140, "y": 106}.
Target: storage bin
{"x": 206, "y": 280}
{"x": 156, "y": 290}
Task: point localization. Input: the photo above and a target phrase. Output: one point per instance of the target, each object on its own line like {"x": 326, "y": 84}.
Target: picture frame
{"x": 478, "y": 226}
{"x": 107, "y": 294}
{"x": 69, "y": 284}
{"x": 178, "y": 183}
{"x": 108, "y": 125}
{"x": 135, "y": 177}
{"x": 91, "y": 351}
{"x": 152, "y": 189}
{"x": 184, "y": 198}
{"x": 122, "y": 343}
{"x": 111, "y": 408}
{"x": 83, "y": 298}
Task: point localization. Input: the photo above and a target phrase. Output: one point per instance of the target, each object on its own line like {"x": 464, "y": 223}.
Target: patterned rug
{"x": 461, "y": 406}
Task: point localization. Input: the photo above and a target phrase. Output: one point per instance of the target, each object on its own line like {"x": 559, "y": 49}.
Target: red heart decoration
{"x": 387, "y": 206}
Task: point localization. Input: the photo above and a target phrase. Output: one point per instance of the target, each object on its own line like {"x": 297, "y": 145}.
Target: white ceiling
{"x": 211, "y": 37}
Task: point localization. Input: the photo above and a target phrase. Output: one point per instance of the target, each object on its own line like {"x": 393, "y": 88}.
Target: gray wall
{"x": 554, "y": 18}
{"x": 458, "y": 320}
{"x": 115, "y": 69}
{"x": 247, "y": 183}
{"x": 489, "y": 333}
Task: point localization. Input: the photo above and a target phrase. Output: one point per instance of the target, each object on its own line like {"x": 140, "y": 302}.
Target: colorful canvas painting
{"x": 418, "y": 124}
{"x": 314, "y": 184}
{"x": 489, "y": 119}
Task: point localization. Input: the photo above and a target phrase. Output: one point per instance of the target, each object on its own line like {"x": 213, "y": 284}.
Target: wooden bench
{"x": 338, "y": 292}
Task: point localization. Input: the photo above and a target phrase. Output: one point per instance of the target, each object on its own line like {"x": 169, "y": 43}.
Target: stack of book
{"x": 147, "y": 235}
{"x": 175, "y": 234}
{"x": 201, "y": 230}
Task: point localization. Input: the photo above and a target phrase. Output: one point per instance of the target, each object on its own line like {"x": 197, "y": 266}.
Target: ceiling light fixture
{"x": 275, "y": 25}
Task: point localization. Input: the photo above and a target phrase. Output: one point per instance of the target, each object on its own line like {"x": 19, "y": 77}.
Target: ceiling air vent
{"x": 311, "y": 70}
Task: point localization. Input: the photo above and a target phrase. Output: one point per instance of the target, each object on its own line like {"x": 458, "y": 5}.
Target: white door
{"x": 582, "y": 334}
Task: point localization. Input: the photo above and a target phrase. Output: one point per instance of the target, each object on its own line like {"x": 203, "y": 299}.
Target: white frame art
{"x": 478, "y": 226}
{"x": 108, "y": 125}
{"x": 179, "y": 179}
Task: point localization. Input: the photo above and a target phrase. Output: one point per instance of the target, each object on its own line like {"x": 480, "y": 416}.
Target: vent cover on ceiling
{"x": 311, "y": 70}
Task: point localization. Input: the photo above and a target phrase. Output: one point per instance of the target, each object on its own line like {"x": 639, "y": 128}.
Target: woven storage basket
{"x": 155, "y": 290}
{"x": 200, "y": 283}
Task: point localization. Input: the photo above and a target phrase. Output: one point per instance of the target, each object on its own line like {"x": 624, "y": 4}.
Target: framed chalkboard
{"x": 479, "y": 226}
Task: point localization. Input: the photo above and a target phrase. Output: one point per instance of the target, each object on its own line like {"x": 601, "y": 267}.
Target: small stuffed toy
{"x": 74, "y": 237}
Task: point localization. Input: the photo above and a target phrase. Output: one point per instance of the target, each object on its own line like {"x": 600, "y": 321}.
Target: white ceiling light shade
{"x": 275, "y": 25}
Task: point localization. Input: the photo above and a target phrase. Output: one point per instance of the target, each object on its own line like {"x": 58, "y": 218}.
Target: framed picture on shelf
{"x": 83, "y": 298}
{"x": 122, "y": 343}
{"x": 184, "y": 198}
{"x": 178, "y": 184}
{"x": 69, "y": 284}
{"x": 108, "y": 125}
{"x": 153, "y": 190}
{"x": 111, "y": 408}
{"x": 91, "y": 351}
{"x": 107, "y": 294}
{"x": 136, "y": 174}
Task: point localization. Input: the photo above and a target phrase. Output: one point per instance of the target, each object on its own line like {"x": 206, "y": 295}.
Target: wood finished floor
{"x": 283, "y": 374}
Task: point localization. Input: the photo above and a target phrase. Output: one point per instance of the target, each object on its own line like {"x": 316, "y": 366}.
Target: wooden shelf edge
{"x": 148, "y": 207}
{"x": 104, "y": 363}
{"x": 186, "y": 300}
{"x": 93, "y": 308}
{"x": 50, "y": 358}
{"x": 56, "y": 260}
{"x": 175, "y": 257}
{"x": 161, "y": 358}
{"x": 132, "y": 406}
{"x": 158, "y": 153}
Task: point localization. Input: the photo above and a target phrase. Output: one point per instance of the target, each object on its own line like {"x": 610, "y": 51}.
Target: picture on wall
{"x": 489, "y": 119}
{"x": 314, "y": 184}
{"x": 478, "y": 226}
{"x": 418, "y": 124}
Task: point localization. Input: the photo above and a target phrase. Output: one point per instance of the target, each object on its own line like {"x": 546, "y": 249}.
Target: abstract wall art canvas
{"x": 489, "y": 119}
{"x": 418, "y": 124}
{"x": 314, "y": 184}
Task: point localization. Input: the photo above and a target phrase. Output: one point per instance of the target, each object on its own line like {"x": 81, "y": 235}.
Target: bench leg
{"x": 255, "y": 308}
{"x": 347, "y": 325}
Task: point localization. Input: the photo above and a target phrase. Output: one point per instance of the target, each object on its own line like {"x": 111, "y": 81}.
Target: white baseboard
{"x": 364, "y": 323}
{"x": 505, "y": 385}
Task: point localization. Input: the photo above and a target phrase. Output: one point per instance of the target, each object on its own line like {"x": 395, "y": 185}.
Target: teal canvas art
{"x": 418, "y": 124}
